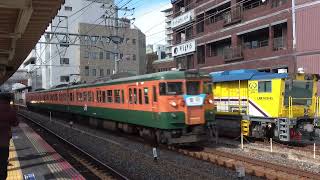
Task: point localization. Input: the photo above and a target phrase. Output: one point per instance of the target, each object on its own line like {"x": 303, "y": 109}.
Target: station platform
{"x": 32, "y": 158}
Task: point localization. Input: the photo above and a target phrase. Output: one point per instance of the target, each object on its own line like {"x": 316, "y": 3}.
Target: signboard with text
{"x": 187, "y": 47}
{"x": 182, "y": 19}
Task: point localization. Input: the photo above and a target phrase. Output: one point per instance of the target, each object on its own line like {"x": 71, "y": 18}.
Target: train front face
{"x": 191, "y": 96}
{"x": 301, "y": 107}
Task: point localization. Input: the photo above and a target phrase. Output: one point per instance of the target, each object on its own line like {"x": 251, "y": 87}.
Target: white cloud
{"x": 151, "y": 22}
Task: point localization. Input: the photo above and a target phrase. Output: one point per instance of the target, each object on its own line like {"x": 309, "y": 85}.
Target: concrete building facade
{"x": 268, "y": 35}
{"x": 129, "y": 55}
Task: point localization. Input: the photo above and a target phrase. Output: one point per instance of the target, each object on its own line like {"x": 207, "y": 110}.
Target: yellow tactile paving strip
{"x": 14, "y": 171}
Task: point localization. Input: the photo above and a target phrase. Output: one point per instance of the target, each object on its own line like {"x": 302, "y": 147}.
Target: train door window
{"x": 155, "y": 96}
{"x": 89, "y": 96}
{"x": 135, "y": 95}
{"x": 130, "y": 96}
{"x": 146, "y": 95}
{"x": 85, "y": 96}
{"x": 193, "y": 87}
{"x": 109, "y": 96}
{"x": 162, "y": 88}
{"x": 140, "y": 96}
{"x": 117, "y": 96}
{"x": 98, "y": 96}
{"x": 264, "y": 86}
{"x": 207, "y": 87}
{"x": 103, "y": 96}
{"x": 122, "y": 96}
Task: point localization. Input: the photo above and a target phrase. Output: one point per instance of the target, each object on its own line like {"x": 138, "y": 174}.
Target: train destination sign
{"x": 184, "y": 48}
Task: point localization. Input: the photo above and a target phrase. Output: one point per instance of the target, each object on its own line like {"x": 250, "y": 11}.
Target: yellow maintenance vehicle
{"x": 266, "y": 105}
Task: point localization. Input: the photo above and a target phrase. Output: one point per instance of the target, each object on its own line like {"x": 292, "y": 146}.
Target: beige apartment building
{"x": 111, "y": 50}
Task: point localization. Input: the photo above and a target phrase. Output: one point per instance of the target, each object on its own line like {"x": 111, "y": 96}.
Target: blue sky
{"x": 149, "y": 18}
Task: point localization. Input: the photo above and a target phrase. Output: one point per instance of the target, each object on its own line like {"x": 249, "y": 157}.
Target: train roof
{"x": 245, "y": 74}
{"x": 167, "y": 75}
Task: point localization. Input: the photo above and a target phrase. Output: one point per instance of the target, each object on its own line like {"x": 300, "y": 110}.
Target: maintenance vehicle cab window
{"x": 264, "y": 86}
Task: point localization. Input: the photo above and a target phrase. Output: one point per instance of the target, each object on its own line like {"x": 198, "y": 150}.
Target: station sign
{"x": 187, "y": 47}
{"x": 182, "y": 19}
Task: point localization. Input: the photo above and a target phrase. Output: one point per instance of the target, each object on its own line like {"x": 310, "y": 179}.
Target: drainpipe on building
{"x": 293, "y": 6}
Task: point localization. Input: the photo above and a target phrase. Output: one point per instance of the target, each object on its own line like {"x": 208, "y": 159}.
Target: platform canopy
{"x": 245, "y": 74}
{"x": 22, "y": 22}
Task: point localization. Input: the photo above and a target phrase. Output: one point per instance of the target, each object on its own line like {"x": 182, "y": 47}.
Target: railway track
{"x": 252, "y": 166}
{"x": 89, "y": 166}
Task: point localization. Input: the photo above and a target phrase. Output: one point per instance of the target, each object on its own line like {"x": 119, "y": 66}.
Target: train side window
{"x": 70, "y": 96}
{"x": 140, "y": 96}
{"x": 122, "y": 96}
{"x": 264, "y": 86}
{"x": 162, "y": 88}
{"x": 90, "y": 96}
{"x": 130, "y": 96}
{"x": 146, "y": 95}
{"x": 117, "y": 96}
{"x": 155, "y": 96}
{"x": 135, "y": 95}
{"x": 103, "y": 96}
{"x": 85, "y": 96}
{"x": 109, "y": 96}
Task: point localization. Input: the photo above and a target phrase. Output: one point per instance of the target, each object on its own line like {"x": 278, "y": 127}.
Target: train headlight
{"x": 210, "y": 101}
{"x": 172, "y": 103}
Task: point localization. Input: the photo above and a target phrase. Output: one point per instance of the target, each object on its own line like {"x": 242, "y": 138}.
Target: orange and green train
{"x": 174, "y": 107}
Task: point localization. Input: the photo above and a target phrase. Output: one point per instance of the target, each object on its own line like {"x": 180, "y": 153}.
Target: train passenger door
{"x": 154, "y": 103}
{"x": 194, "y": 103}
{"x": 131, "y": 97}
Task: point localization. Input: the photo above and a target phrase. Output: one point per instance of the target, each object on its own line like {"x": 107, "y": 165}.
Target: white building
{"x": 169, "y": 33}
{"x": 56, "y": 63}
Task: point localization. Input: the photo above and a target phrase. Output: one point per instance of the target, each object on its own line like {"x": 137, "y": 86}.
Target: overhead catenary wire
{"x": 94, "y": 26}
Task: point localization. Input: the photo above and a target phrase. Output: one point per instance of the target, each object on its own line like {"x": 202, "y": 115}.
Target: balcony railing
{"x": 232, "y": 53}
{"x": 233, "y": 16}
{"x": 279, "y": 43}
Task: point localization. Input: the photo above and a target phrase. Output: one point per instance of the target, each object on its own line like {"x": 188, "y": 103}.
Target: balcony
{"x": 279, "y": 43}
{"x": 169, "y": 31}
{"x": 232, "y": 54}
{"x": 233, "y": 16}
{"x": 168, "y": 20}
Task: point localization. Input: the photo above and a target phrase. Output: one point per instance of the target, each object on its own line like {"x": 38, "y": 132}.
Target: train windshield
{"x": 171, "y": 88}
{"x": 193, "y": 88}
{"x": 300, "y": 91}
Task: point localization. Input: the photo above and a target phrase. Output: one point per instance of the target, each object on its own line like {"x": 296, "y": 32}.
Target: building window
{"x": 68, "y": 8}
{"x": 64, "y": 60}
{"x": 121, "y": 56}
{"x": 107, "y": 55}
{"x": 101, "y": 55}
{"x": 134, "y": 41}
{"x": 101, "y": 72}
{"x": 94, "y": 72}
{"x": 134, "y": 57}
{"x": 264, "y": 86}
{"x": 200, "y": 23}
{"x": 86, "y": 54}
{"x": 86, "y": 70}
{"x": 201, "y": 54}
{"x": 108, "y": 71}
{"x": 64, "y": 78}
{"x": 189, "y": 33}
